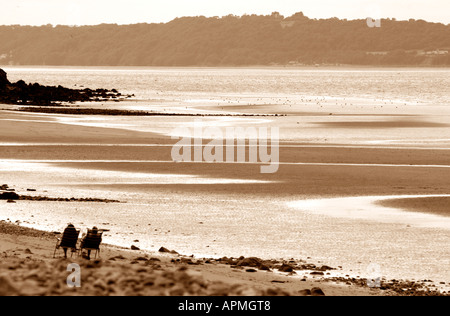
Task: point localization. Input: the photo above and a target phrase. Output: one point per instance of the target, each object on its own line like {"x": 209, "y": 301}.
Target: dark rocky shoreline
{"x": 11, "y": 196}
{"x": 113, "y": 112}
{"x": 396, "y": 287}
{"x": 21, "y": 93}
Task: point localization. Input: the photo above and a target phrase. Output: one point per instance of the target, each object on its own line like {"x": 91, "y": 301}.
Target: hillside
{"x": 230, "y": 41}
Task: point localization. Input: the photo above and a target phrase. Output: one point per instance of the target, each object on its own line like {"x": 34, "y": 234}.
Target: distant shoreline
{"x": 90, "y": 111}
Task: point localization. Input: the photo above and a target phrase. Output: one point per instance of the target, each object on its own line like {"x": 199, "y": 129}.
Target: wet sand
{"x": 434, "y": 205}
{"x": 308, "y": 180}
{"x": 20, "y": 127}
{"x": 308, "y": 170}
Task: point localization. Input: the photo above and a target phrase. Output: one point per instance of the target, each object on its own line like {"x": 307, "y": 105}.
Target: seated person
{"x": 91, "y": 240}
{"x": 69, "y": 238}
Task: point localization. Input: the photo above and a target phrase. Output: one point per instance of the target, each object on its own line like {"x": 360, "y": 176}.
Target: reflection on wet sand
{"x": 370, "y": 208}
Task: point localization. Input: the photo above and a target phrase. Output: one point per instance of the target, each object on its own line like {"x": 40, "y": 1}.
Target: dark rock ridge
{"x": 87, "y": 111}
{"x": 36, "y": 94}
{"x": 392, "y": 287}
{"x": 10, "y": 195}
{"x": 3, "y": 79}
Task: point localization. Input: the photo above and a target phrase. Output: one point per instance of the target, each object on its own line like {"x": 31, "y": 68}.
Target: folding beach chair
{"x": 92, "y": 242}
{"x": 68, "y": 240}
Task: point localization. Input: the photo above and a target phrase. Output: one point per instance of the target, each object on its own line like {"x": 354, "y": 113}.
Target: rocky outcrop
{"x": 36, "y": 94}
{"x": 3, "y": 79}
{"x": 9, "y": 196}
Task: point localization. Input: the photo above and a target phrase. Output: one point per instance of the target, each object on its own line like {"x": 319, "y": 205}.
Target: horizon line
{"x": 224, "y": 16}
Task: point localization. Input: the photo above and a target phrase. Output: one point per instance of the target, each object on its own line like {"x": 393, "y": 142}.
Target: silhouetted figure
{"x": 68, "y": 240}
{"x": 91, "y": 241}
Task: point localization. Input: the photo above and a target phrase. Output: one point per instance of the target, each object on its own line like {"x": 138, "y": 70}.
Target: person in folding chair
{"x": 68, "y": 240}
{"x": 91, "y": 242}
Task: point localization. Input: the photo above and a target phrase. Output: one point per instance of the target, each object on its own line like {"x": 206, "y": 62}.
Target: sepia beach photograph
{"x": 246, "y": 149}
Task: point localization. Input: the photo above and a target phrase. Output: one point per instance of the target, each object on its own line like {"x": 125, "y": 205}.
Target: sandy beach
{"x": 188, "y": 207}
{"x": 29, "y": 269}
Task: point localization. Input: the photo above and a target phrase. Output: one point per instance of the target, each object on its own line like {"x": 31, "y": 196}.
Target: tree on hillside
{"x": 230, "y": 41}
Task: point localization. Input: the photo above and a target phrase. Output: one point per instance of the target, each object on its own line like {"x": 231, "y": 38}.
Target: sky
{"x": 91, "y": 12}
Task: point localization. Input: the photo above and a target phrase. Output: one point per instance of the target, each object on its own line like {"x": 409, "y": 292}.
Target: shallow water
{"x": 243, "y": 85}
{"x": 365, "y": 208}
{"x": 323, "y": 105}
